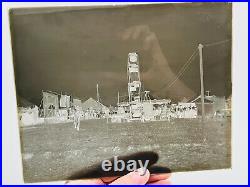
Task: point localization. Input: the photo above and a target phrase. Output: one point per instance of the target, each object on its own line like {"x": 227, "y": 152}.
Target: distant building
{"x": 213, "y": 105}
{"x": 29, "y": 116}
{"x": 208, "y": 106}
{"x": 77, "y": 103}
{"x": 65, "y": 101}
{"x": 50, "y": 103}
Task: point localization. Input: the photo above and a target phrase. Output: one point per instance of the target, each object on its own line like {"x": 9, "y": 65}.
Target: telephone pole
{"x": 200, "y": 47}
{"x": 118, "y": 98}
{"x": 97, "y": 93}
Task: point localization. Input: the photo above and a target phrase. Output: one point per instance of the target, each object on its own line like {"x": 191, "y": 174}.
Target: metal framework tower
{"x": 134, "y": 87}
{"x": 134, "y": 81}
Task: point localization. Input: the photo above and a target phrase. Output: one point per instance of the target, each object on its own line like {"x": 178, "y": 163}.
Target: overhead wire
{"x": 216, "y": 43}
{"x": 188, "y": 63}
{"x": 190, "y": 60}
{"x": 182, "y": 69}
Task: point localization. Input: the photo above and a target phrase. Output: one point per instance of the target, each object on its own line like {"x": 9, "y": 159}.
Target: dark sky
{"x": 71, "y": 49}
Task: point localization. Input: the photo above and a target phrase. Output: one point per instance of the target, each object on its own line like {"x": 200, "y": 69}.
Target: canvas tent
{"x": 29, "y": 116}
{"x": 94, "y": 105}
{"x": 93, "y": 109}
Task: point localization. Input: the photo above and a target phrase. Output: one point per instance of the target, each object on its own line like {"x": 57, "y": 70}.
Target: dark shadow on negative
{"x": 96, "y": 171}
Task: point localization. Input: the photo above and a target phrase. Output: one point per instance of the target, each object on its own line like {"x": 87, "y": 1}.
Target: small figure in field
{"x": 76, "y": 120}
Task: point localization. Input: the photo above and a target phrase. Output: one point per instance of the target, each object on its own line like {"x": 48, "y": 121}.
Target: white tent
{"x": 93, "y": 109}
{"x": 29, "y": 116}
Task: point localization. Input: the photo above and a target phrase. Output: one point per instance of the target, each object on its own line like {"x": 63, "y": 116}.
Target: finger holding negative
{"x": 161, "y": 182}
{"x": 139, "y": 176}
{"x": 85, "y": 181}
{"x": 158, "y": 177}
{"x": 108, "y": 179}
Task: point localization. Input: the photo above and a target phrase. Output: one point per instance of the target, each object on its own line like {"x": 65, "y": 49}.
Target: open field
{"x": 53, "y": 152}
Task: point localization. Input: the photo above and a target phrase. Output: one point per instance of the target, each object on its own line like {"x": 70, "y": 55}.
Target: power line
{"x": 216, "y": 43}
{"x": 182, "y": 70}
{"x": 189, "y": 61}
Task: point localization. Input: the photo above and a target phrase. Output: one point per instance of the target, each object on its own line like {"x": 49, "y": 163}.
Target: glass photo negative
{"x": 105, "y": 90}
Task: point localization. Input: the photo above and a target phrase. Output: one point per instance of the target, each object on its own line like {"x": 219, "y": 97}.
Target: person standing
{"x": 76, "y": 119}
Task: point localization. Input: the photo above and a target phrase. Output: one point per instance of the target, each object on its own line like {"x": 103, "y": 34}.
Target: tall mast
{"x": 97, "y": 93}
{"x": 118, "y": 98}
{"x": 134, "y": 81}
{"x": 200, "y": 47}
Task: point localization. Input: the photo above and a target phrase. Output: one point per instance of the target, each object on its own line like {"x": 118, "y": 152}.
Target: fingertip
{"x": 157, "y": 177}
{"x": 161, "y": 182}
{"x": 140, "y": 176}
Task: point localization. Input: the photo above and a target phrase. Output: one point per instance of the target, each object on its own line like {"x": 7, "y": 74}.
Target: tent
{"x": 92, "y": 104}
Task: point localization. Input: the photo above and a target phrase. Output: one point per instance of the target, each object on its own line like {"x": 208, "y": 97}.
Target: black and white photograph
{"x": 149, "y": 82}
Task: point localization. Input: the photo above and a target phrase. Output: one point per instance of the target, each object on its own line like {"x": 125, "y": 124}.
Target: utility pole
{"x": 200, "y": 47}
{"x": 118, "y": 98}
{"x": 43, "y": 105}
{"x": 97, "y": 93}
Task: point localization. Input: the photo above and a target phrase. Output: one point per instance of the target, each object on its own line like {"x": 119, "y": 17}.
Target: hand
{"x": 134, "y": 177}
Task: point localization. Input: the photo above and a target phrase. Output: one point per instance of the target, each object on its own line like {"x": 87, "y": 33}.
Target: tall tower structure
{"x": 134, "y": 81}
{"x": 134, "y": 87}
